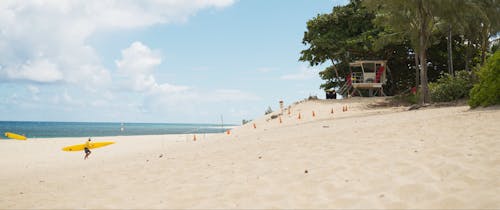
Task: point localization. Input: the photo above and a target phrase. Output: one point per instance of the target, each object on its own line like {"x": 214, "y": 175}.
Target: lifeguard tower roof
{"x": 360, "y": 62}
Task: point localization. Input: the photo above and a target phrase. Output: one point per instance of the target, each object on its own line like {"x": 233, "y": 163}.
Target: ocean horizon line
{"x": 52, "y": 129}
{"x": 124, "y": 122}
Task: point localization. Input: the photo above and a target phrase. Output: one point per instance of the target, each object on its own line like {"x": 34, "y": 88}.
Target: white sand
{"x": 364, "y": 158}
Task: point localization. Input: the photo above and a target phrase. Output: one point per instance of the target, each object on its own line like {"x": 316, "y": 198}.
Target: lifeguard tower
{"x": 367, "y": 74}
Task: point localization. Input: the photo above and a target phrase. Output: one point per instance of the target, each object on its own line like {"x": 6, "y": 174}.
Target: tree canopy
{"x": 401, "y": 31}
{"x": 338, "y": 37}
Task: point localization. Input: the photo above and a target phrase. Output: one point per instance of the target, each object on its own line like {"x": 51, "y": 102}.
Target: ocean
{"x": 93, "y": 129}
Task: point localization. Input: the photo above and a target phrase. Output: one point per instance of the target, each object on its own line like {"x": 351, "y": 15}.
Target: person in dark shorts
{"x": 87, "y": 150}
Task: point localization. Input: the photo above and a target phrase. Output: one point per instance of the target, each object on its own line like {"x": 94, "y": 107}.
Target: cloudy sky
{"x": 177, "y": 61}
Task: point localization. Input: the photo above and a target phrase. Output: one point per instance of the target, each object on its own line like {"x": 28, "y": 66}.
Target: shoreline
{"x": 84, "y": 138}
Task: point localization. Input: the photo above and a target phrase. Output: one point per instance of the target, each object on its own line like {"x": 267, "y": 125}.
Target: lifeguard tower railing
{"x": 366, "y": 74}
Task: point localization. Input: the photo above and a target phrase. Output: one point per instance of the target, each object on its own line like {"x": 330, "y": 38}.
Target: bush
{"x": 312, "y": 98}
{"x": 487, "y": 91}
{"x": 406, "y": 98}
{"x": 268, "y": 111}
{"x": 449, "y": 88}
{"x": 412, "y": 98}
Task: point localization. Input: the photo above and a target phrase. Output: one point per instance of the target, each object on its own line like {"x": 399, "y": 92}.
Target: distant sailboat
{"x": 121, "y": 129}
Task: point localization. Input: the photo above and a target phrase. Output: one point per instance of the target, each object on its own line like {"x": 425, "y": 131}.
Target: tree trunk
{"x": 467, "y": 55}
{"x": 423, "y": 35}
{"x": 424, "y": 98}
{"x": 335, "y": 68}
{"x": 336, "y": 72}
{"x": 417, "y": 70}
{"x": 450, "y": 52}
{"x": 484, "y": 43}
{"x": 483, "y": 52}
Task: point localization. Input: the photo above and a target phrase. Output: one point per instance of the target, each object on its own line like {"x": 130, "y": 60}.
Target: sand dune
{"x": 439, "y": 158}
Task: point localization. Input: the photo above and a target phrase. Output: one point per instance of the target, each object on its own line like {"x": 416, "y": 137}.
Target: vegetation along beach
{"x": 223, "y": 104}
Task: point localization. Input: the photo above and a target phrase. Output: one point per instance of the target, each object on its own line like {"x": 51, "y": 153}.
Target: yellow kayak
{"x": 80, "y": 147}
{"x": 15, "y": 136}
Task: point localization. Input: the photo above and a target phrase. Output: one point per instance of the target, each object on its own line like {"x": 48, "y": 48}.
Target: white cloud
{"x": 67, "y": 98}
{"x": 42, "y": 71}
{"x": 304, "y": 73}
{"x": 90, "y": 77}
{"x": 33, "y": 89}
{"x": 168, "y": 88}
{"x": 136, "y": 73}
{"x": 197, "y": 103}
{"x": 265, "y": 69}
{"x": 46, "y": 41}
{"x": 137, "y": 67}
{"x": 185, "y": 99}
{"x": 138, "y": 59}
{"x": 232, "y": 95}
{"x": 99, "y": 103}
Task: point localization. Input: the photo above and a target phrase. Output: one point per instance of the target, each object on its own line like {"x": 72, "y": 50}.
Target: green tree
{"x": 471, "y": 31}
{"x": 341, "y": 36}
{"x": 453, "y": 21}
{"x": 487, "y": 91}
{"x": 476, "y": 21}
{"x": 402, "y": 32}
{"x": 438, "y": 59}
{"x": 490, "y": 23}
{"x": 495, "y": 45}
{"x": 415, "y": 19}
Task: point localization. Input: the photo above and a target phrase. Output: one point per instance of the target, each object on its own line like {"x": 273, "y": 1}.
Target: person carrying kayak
{"x": 86, "y": 149}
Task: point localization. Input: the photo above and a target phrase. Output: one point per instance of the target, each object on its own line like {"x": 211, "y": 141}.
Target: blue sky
{"x": 153, "y": 61}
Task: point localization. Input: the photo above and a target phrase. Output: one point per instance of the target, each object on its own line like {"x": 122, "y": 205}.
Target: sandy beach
{"x": 368, "y": 157}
